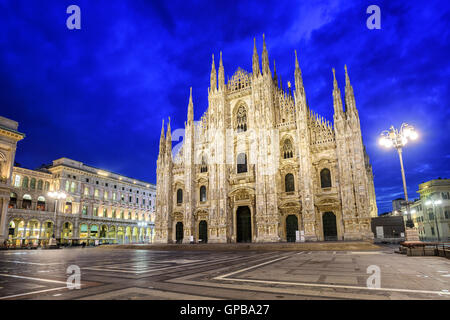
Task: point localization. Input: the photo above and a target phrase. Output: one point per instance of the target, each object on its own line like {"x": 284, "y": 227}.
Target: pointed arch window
{"x": 204, "y": 165}
{"x": 202, "y": 194}
{"x": 288, "y": 150}
{"x": 179, "y": 196}
{"x": 241, "y": 119}
{"x": 289, "y": 184}
{"x": 325, "y": 178}
{"x": 241, "y": 163}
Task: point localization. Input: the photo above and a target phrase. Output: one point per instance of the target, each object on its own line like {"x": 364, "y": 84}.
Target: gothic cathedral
{"x": 260, "y": 166}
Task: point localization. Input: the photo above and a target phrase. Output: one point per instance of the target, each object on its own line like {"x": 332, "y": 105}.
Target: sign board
{"x": 302, "y": 239}
{"x": 302, "y": 233}
{"x": 402, "y": 234}
{"x": 297, "y": 236}
{"x": 96, "y": 242}
{"x": 191, "y": 238}
{"x": 380, "y": 232}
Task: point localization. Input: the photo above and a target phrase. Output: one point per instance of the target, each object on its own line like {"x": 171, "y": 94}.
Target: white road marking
{"x": 151, "y": 269}
{"x": 249, "y": 268}
{"x": 34, "y": 263}
{"x": 446, "y": 275}
{"x": 303, "y": 284}
{"x": 31, "y": 278}
{"x": 57, "y": 295}
{"x": 365, "y": 252}
{"x": 33, "y": 292}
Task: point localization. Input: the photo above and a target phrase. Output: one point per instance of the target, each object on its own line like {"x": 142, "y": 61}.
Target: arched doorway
{"x": 112, "y": 234}
{"x": 135, "y": 234}
{"x": 291, "y": 227}
{"x": 329, "y": 226}
{"x": 32, "y": 232}
{"x": 84, "y": 233}
{"x": 120, "y": 235}
{"x": 93, "y": 232}
{"x": 179, "y": 232}
{"x": 12, "y": 230}
{"x": 128, "y": 237}
{"x": 67, "y": 232}
{"x": 203, "y": 231}
{"x": 47, "y": 230}
{"x": 103, "y": 231}
{"x": 243, "y": 225}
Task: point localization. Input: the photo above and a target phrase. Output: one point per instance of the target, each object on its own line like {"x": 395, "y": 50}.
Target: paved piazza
{"x": 196, "y": 275}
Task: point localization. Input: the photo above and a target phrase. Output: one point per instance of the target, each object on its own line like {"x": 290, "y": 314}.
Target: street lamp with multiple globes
{"x": 434, "y": 203}
{"x": 57, "y": 195}
{"x": 398, "y": 139}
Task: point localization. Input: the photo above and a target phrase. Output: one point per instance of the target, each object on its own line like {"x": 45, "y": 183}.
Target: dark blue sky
{"x": 98, "y": 94}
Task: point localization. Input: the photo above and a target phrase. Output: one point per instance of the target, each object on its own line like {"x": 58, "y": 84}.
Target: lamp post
{"x": 398, "y": 139}
{"x": 435, "y": 203}
{"x": 57, "y": 195}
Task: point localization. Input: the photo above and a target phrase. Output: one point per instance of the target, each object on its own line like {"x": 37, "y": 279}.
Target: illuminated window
{"x": 73, "y": 187}
{"x": 95, "y": 212}
{"x": 86, "y": 191}
{"x": 67, "y": 186}
{"x": 114, "y": 196}
{"x": 17, "y": 181}
{"x": 96, "y": 193}
{"x": 68, "y": 207}
{"x": 84, "y": 211}
{"x": 105, "y": 195}
{"x": 40, "y": 203}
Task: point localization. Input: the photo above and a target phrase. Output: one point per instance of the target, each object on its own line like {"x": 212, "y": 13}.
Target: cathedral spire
{"x": 162, "y": 140}
{"x": 169, "y": 141}
{"x": 255, "y": 64}
{"x": 275, "y": 77}
{"x": 337, "y": 100}
{"x": 265, "y": 58}
{"x": 221, "y": 74}
{"x": 213, "y": 83}
{"x": 190, "y": 108}
{"x": 349, "y": 95}
{"x": 298, "y": 76}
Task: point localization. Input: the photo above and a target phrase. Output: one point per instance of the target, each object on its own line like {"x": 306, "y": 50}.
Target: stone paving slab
{"x": 241, "y": 274}
{"x": 306, "y": 246}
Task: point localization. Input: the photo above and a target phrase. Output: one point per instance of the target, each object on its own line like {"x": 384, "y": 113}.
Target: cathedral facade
{"x": 261, "y": 166}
